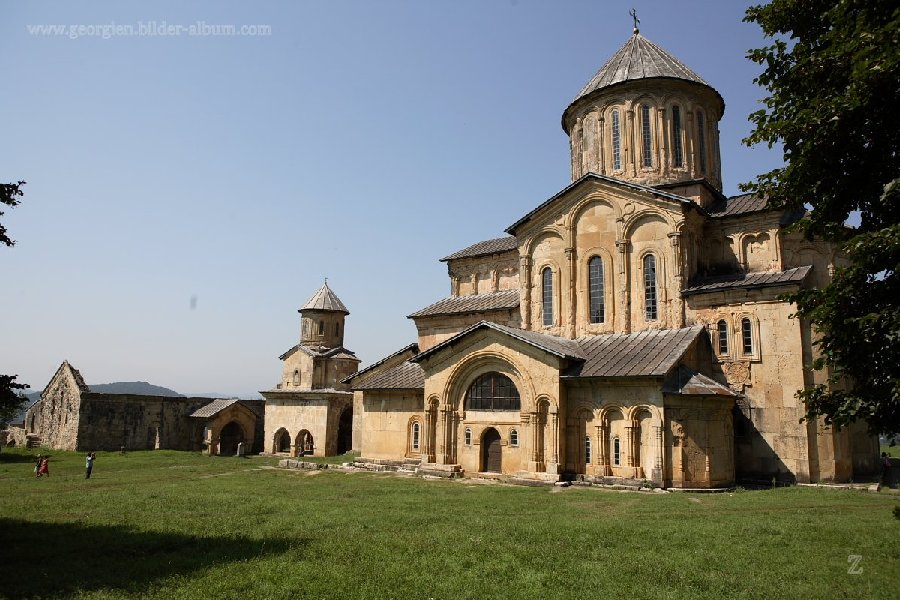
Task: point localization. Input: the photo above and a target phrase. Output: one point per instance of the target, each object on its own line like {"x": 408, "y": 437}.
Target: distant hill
{"x": 132, "y": 387}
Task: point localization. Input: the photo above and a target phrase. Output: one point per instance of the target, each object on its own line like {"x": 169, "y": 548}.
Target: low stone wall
{"x": 14, "y": 436}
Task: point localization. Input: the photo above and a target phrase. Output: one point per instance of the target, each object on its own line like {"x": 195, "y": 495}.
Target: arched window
{"x": 415, "y": 435}
{"x": 616, "y": 142}
{"x": 468, "y": 437}
{"x": 722, "y": 329}
{"x": 646, "y": 142}
{"x": 747, "y": 335}
{"x": 677, "y": 148}
{"x": 547, "y": 295}
{"x": 701, "y": 141}
{"x": 337, "y": 329}
{"x": 617, "y": 454}
{"x": 296, "y": 380}
{"x": 595, "y": 284}
{"x": 587, "y": 449}
{"x": 650, "y": 312}
{"x": 514, "y": 438}
{"x": 493, "y": 391}
{"x": 321, "y": 327}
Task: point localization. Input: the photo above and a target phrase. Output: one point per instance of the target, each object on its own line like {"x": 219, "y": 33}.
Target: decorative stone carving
{"x": 737, "y": 374}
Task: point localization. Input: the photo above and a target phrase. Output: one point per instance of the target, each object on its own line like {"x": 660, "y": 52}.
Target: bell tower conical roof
{"x": 325, "y": 299}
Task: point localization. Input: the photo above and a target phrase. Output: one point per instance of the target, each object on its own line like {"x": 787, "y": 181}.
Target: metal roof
{"x": 213, "y": 408}
{"x": 320, "y": 352}
{"x": 748, "y": 280}
{"x": 413, "y": 349}
{"x": 687, "y": 382}
{"x": 644, "y": 354}
{"x": 639, "y": 59}
{"x": 502, "y": 300}
{"x": 738, "y": 205}
{"x": 494, "y": 246}
{"x": 325, "y": 299}
{"x": 405, "y": 376}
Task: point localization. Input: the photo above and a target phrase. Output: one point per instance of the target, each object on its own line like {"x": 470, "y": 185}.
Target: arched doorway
{"x": 229, "y": 438}
{"x": 305, "y": 443}
{"x": 345, "y": 431}
{"x": 491, "y": 451}
{"x": 282, "y": 442}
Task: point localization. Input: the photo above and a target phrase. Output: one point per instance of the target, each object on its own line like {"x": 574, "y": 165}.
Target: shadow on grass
{"x": 54, "y": 560}
{"x": 9, "y": 457}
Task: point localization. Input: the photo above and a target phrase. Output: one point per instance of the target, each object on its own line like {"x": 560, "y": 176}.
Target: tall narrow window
{"x": 595, "y": 283}
{"x": 296, "y": 380}
{"x": 617, "y": 455}
{"x": 616, "y": 141}
{"x": 650, "y": 312}
{"x": 415, "y": 436}
{"x": 677, "y": 148}
{"x": 514, "y": 438}
{"x": 747, "y": 335}
{"x": 547, "y": 295}
{"x": 722, "y": 329}
{"x": 645, "y": 136}
{"x": 701, "y": 141}
{"x": 337, "y": 329}
{"x": 321, "y": 327}
{"x": 468, "y": 437}
{"x": 587, "y": 449}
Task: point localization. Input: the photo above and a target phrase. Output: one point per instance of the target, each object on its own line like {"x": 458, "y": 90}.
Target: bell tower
{"x": 322, "y": 319}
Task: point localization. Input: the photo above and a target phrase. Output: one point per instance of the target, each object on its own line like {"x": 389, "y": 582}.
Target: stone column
{"x": 629, "y": 137}
{"x": 553, "y": 467}
{"x": 623, "y": 291}
{"x": 689, "y": 138}
{"x": 662, "y": 142}
{"x": 629, "y": 443}
{"x": 678, "y": 272}
{"x": 571, "y": 267}
{"x": 525, "y": 277}
{"x": 601, "y": 152}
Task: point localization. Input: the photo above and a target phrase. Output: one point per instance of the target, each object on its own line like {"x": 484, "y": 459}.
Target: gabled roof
{"x": 656, "y": 193}
{"x": 412, "y": 348}
{"x": 738, "y": 205}
{"x": 405, "y": 376}
{"x": 747, "y": 280}
{"x": 485, "y": 248}
{"x": 76, "y": 377}
{"x": 687, "y": 382}
{"x": 643, "y": 354}
{"x": 320, "y": 352}
{"x": 639, "y": 59}
{"x": 325, "y": 299}
{"x": 551, "y": 344}
{"x": 213, "y": 408}
{"x": 454, "y": 305}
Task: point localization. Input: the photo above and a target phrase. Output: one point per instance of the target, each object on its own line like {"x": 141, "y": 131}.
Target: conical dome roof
{"x": 638, "y": 59}
{"x": 325, "y": 299}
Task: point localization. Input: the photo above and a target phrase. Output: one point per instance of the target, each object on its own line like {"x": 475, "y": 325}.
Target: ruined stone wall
{"x": 56, "y": 415}
{"x": 137, "y": 422}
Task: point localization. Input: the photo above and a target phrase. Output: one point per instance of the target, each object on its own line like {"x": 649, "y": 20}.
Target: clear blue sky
{"x": 361, "y": 140}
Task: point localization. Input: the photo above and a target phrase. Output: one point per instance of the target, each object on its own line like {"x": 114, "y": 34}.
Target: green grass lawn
{"x": 181, "y": 525}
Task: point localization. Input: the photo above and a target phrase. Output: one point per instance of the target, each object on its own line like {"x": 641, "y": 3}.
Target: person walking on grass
{"x": 37, "y": 465}
{"x": 885, "y": 468}
{"x": 89, "y": 465}
{"x": 44, "y": 469}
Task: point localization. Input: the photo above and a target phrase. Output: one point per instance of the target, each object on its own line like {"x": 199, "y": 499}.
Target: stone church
{"x": 629, "y": 327}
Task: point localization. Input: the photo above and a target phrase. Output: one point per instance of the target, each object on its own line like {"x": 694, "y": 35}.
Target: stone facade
{"x": 647, "y": 339}
{"x": 69, "y": 416}
{"x": 310, "y": 412}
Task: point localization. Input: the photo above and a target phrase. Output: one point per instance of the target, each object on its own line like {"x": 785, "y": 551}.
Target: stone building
{"x": 630, "y": 326}
{"x": 68, "y": 416}
{"x": 310, "y": 412}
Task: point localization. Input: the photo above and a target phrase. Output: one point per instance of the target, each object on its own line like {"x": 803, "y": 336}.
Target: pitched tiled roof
{"x": 325, "y": 299}
{"x": 639, "y": 58}
{"x": 747, "y": 280}
{"x": 643, "y": 354}
{"x": 405, "y": 376}
{"x": 687, "y": 382}
{"x": 657, "y": 193}
{"x": 558, "y": 346}
{"x": 320, "y": 352}
{"x": 738, "y": 205}
{"x": 504, "y": 299}
{"x": 213, "y": 408}
{"x": 494, "y": 246}
{"x": 412, "y": 348}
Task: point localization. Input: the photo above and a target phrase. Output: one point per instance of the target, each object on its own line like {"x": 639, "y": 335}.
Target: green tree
{"x": 832, "y": 74}
{"x": 10, "y": 399}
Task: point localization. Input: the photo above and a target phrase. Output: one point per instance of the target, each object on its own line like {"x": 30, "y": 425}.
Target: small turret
{"x": 322, "y": 319}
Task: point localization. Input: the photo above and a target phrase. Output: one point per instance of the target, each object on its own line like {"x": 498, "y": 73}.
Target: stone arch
{"x": 491, "y": 451}
{"x": 477, "y": 363}
{"x": 304, "y": 445}
{"x": 281, "y": 441}
{"x": 230, "y": 436}
{"x": 638, "y": 218}
{"x": 345, "y": 430}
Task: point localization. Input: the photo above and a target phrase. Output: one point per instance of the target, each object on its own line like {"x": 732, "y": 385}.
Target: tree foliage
{"x": 832, "y": 74}
{"x": 9, "y": 195}
{"x": 10, "y": 400}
